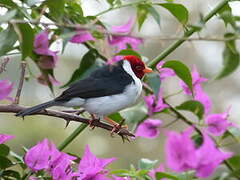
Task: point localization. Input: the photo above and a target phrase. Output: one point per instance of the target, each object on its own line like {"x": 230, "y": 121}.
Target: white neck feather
{"x": 127, "y": 67}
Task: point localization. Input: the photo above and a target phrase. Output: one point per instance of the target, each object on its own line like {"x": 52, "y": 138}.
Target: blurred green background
{"x": 207, "y": 55}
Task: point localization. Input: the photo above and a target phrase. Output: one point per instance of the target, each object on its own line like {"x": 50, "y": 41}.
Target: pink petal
{"x": 149, "y": 128}
{"x": 5, "y": 137}
{"x": 202, "y": 97}
{"x": 209, "y": 157}
{"x": 121, "y": 42}
{"x": 6, "y": 88}
{"x": 38, "y": 156}
{"x": 90, "y": 165}
{"x": 41, "y": 40}
{"x": 180, "y": 151}
{"x": 126, "y": 28}
{"x": 82, "y": 36}
{"x": 164, "y": 72}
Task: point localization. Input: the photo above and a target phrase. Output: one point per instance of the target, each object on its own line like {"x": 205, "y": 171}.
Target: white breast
{"x": 109, "y": 104}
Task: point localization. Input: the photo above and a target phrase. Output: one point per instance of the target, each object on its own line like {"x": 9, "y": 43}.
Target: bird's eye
{"x": 139, "y": 68}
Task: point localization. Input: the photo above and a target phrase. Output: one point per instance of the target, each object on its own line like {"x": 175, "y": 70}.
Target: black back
{"x": 105, "y": 81}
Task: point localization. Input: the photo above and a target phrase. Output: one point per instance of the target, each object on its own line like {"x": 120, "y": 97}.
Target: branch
{"x": 187, "y": 34}
{"x": 124, "y": 133}
{"x": 160, "y": 38}
{"x": 4, "y": 64}
{"x": 21, "y": 81}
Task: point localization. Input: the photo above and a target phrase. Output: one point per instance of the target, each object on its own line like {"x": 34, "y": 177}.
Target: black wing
{"x": 105, "y": 81}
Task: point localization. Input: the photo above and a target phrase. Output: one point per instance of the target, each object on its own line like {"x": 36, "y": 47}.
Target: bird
{"x": 106, "y": 90}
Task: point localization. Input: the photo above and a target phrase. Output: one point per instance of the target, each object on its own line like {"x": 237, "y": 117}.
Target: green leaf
{"x": 4, "y": 150}
{"x": 56, "y": 8}
{"x": 26, "y": 38}
{"x": 177, "y": 10}
{"x": 160, "y": 175}
{"x": 8, "y": 3}
{"x": 194, "y": 106}
{"x": 116, "y": 117}
{"x": 153, "y": 80}
{"x": 86, "y": 66}
{"x": 235, "y": 161}
{"x": 8, "y": 38}
{"x": 234, "y": 132}
{"x": 198, "y": 140}
{"x": 147, "y": 164}
{"x": 231, "y": 58}
{"x": 181, "y": 70}
{"x": 5, "y": 162}
{"x": 126, "y": 52}
{"x": 154, "y": 14}
{"x": 135, "y": 113}
{"x": 142, "y": 13}
{"x": 8, "y": 16}
{"x": 120, "y": 172}
{"x": 9, "y": 174}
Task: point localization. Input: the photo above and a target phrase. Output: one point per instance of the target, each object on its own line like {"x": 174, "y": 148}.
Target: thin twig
{"x": 91, "y": 27}
{"x": 14, "y": 108}
{"x": 4, "y": 64}
{"x": 21, "y": 81}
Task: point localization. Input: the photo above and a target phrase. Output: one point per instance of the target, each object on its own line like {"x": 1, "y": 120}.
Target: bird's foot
{"x": 117, "y": 127}
{"x": 91, "y": 121}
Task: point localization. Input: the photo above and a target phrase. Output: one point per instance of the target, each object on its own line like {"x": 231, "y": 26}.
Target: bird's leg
{"x": 116, "y": 126}
{"x": 93, "y": 118}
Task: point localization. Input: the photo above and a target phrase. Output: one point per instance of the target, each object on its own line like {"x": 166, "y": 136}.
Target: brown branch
{"x": 20, "y": 84}
{"x": 4, "y": 64}
{"x": 14, "y": 108}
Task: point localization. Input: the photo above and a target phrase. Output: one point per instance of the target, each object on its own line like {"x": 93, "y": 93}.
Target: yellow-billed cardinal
{"x": 105, "y": 91}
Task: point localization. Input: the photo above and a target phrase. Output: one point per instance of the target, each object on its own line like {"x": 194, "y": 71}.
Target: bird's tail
{"x": 36, "y": 108}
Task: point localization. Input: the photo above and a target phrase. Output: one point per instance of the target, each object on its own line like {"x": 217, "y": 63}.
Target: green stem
{"x": 187, "y": 34}
{"x": 72, "y": 136}
{"x": 121, "y": 6}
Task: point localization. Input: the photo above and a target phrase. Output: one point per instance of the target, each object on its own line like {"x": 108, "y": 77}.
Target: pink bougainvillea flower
{"x": 122, "y": 42}
{"x": 91, "y": 167}
{"x": 149, "y": 128}
{"x": 202, "y": 97}
{"x": 5, "y": 137}
{"x": 41, "y": 41}
{"x": 154, "y": 171}
{"x": 82, "y": 36}
{"x": 209, "y": 157}
{"x": 199, "y": 94}
{"x": 45, "y": 156}
{"x": 125, "y": 28}
{"x": 48, "y": 58}
{"x": 164, "y": 72}
{"x": 63, "y": 170}
{"x": 180, "y": 151}
{"x": 37, "y": 157}
{"x": 42, "y": 80}
{"x": 155, "y": 104}
{"x": 6, "y": 88}
{"x": 196, "y": 81}
{"x": 183, "y": 155}
{"x": 218, "y": 123}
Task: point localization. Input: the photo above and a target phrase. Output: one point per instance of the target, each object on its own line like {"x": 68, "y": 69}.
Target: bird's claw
{"x": 91, "y": 122}
{"x": 117, "y": 127}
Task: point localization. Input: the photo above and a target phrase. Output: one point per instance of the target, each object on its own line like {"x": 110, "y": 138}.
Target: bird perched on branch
{"x": 105, "y": 91}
